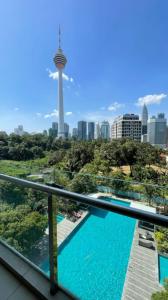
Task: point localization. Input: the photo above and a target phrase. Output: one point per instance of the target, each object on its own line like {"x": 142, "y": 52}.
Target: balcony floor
{"x": 11, "y": 288}
{"x": 20, "y": 280}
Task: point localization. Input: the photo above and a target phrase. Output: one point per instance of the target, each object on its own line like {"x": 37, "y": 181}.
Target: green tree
{"x": 98, "y": 166}
{"x": 56, "y": 157}
{"x": 118, "y": 182}
{"x": 37, "y": 152}
{"x": 82, "y": 184}
{"x": 12, "y": 194}
{"x": 161, "y": 235}
{"x": 163, "y": 295}
{"x": 150, "y": 191}
{"x": 129, "y": 150}
{"x": 78, "y": 156}
{"x": 112, "y": 152}
{"x": 21, "y": 227}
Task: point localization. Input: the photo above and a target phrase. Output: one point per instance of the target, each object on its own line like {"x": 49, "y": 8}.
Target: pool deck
{"x": 142, "y": 272}
{"x": 66, "y": 227}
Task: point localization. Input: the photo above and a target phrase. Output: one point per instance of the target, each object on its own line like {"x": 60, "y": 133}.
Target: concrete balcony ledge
{"x": 20, "y": 279}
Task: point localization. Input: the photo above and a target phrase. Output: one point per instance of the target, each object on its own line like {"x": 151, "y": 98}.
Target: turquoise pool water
{"x": 93, "y": 263}
{"x": 163, "y": 268}
{"x": 59, "y": 218}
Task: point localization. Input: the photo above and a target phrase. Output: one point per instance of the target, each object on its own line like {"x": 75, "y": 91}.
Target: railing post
{"x": 52, "y": 215}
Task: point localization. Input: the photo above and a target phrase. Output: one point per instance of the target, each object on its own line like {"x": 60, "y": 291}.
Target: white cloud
{"x": 38, "y": 114}
{"x": 52, "y": 114}
{"x": 54, "y": 75}
{"x": 151, "y": 99}
{"x": 114, "y": 106}
{"x": 16, "y": 108}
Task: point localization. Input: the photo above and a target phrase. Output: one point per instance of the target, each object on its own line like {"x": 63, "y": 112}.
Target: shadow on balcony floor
{"x": 20, "y": 280}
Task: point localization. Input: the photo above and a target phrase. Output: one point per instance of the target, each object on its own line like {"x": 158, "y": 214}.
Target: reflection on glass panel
{"x": 24, "y": 220}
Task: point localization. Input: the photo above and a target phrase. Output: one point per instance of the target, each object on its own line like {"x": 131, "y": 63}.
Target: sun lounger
{"x": 146, "y": 236}
{"x": 146, "y": 244}
{"x": 77, "y": 215}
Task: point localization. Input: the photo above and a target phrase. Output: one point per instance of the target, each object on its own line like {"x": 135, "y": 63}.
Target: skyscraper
{"x": 66, "y": 130}
{"x": 82, "y": 130}
{"x": 91, "y": 130}
{"x": 60, "y": 62}
{"x": 19, "y": 130}
{"x": 157, "y": 130}
{"x": 75, "y": 132}
{"x": 127, "y": 125}
{"x": 144, "y": 119}
{"x": 55, "y": 129}
{"x": 105, "y": 130}
{"x": 97, "y": 131}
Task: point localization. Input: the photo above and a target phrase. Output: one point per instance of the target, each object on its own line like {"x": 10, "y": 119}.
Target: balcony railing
{"x": 50, "y": 196}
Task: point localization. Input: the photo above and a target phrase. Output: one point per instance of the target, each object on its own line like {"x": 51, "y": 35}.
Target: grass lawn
{"x": 22, "y": 168}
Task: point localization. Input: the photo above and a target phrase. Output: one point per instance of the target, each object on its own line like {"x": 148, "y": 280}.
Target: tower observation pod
{"x": 60, "y": 62}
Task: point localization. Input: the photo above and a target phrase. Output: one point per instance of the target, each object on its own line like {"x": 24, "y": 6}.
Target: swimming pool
{"x": 93, "y": 263}
{"x": 59, "y": 218}
{"x": 163, "y": 268}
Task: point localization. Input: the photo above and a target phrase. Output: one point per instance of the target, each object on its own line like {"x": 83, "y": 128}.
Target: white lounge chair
{"x": 146, "y": 236}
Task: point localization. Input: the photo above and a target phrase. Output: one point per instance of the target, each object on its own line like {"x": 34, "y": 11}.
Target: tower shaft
{"x": 61, "y": 131}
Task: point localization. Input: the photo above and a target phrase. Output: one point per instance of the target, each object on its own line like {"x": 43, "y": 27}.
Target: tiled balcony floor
{"x": 11, "y": 288}
{"x": 19, "y": 280}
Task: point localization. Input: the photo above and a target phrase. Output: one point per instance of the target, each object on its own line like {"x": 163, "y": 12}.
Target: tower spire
{"x": 59, "y": 41}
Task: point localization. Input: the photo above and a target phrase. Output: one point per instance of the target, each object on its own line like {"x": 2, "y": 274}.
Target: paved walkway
{"x": 65, "y": 228}
{"x": 142, "y": 273}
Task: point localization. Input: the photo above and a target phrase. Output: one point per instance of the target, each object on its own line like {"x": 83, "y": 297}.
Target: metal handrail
{"x": 132, "y": 182}
{"x": 98, "y": 203}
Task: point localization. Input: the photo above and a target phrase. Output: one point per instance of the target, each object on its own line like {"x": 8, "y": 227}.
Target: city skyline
{"x": 140, "y": 115}
{"x": 124, "y": 70}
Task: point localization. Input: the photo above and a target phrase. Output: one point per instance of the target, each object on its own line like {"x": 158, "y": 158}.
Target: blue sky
{"x": 117, "y": 54}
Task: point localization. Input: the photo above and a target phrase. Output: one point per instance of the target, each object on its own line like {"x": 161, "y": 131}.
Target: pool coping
{"x": 69, "y": 228}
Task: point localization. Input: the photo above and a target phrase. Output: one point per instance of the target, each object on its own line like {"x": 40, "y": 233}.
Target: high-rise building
{"x": 91, "y": 130}
{"x": 157, "y": 130}
{"x": 75, "y": 132}
{"x": 60, "y": 62}
{"x": 167, "y": 136}
{"x": 19, "y": 130}
{"x": 105, "y": 130}
{"x": 97, "y": 131}
{"x": 55, "y": 126}
{"x": 66, "y": 130}
{"x": 55, "y": 129}
{"x": 45, "y": 132}
{"x": 127, "y": 125}
{"x": 144, "y": 119}
{"x": 82, "y": 126}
